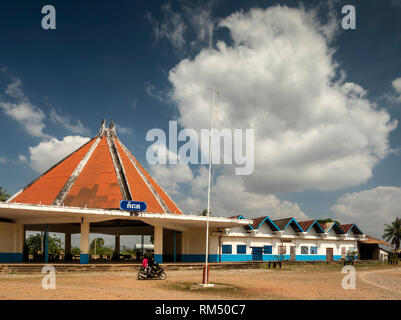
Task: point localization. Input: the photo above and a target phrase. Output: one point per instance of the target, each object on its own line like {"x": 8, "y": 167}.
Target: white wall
{"x": 11, "y": 237}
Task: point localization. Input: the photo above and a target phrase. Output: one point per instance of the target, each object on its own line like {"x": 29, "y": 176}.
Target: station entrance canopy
{"x": 82, "y": 193}
{"x": 53, "y": 215}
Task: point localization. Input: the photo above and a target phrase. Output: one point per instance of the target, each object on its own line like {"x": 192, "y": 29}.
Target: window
{"x": 267, "y": 249}
{"x": 313, "y": 250}
{"x": 304, "y": 250}
{"x": 282, "y": 249}
{"x": 226, "y": 248}
{"x": 241, "y": 249}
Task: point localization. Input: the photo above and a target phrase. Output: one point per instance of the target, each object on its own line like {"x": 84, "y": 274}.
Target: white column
{"x": 158, "y": 242}
{"x": 84, "y": 256}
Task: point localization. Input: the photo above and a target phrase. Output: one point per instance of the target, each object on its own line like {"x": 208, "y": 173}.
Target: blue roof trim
{"x": 320, "y": 227}
{"x": 242, "y": 217}
{"x": 293, "y": 219}
{"x": 337, "y": 226}
{"x": 354, "y": 225}
{"x": 267, "y": 218}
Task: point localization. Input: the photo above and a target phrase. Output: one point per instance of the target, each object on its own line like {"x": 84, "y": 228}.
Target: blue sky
{"x": 131, "y": 62}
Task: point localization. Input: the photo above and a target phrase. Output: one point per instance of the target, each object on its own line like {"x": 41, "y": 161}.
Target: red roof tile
{"x": 98, "y": 175}
{"x": 305, "y": 225}
{"x": 45, "y": 189}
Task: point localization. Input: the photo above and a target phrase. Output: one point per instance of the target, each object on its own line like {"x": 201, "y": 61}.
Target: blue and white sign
{"x": 130, "y": 205}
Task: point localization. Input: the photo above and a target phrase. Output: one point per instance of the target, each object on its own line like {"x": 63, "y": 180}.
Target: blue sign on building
{"x": 130, "y": 205}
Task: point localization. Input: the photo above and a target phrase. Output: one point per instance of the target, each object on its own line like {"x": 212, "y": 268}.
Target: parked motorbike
{"x": 156, "y": 272}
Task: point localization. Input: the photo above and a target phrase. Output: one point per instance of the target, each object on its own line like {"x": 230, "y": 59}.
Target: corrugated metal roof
{"x": 305, "y": 225}
{"x": 282, "y": 223}
{"x": 372, "y": 240}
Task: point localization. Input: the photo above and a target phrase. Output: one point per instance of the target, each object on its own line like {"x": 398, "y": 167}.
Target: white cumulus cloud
{"x": 313, "y": 129}
{"x": 48, "y": 153}
{"x": 396, "y": 97}
{"x": 68, "y": 123}
{"x": 172, "y": 176}
{"x": 369, "y": 209}
{"x": 229, "y": 196}
{"x": 23, "y": 111}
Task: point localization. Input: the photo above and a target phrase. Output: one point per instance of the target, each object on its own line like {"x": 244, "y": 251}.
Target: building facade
{"x": 82, "y": 194}
{"x": 272, "y": 240}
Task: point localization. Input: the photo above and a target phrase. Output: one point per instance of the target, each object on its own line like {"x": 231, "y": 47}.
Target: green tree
{"x": 392, "y": 233}
{"x": 34, "y": 244}
{"x": 328, "y": 220}
{"x": 204, "y": 213}
{"x": 3, "y": 194}
{"x": 75, "y": 251}
{"x": 127, "y": 250}
{"x": 99, "y": 242}
{"x": 107, "y": 251}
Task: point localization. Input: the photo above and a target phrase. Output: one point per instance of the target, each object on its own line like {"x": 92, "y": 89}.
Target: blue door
{"x": 257, "y": 253}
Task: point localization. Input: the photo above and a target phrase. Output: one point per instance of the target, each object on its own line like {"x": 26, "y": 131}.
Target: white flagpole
{"x": 208, "y": 192}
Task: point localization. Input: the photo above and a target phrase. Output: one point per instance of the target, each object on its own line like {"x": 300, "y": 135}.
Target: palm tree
{"x": 392, "y": 233}
{"x": 96, "y": 244}
{"x": 204, "y": 213}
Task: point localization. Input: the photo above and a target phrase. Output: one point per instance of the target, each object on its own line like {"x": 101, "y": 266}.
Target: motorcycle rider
{"x": 145, "y": 265}
{"x": 151, "y": 264}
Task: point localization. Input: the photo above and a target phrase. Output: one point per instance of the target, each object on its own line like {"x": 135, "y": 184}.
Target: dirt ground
{"x": 289, "y": 283}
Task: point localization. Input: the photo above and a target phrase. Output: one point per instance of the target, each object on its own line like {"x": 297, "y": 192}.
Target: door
{"x": 257, "y": 253}
{"x": 292, "y": 253}
{"x": 329, "y": 254}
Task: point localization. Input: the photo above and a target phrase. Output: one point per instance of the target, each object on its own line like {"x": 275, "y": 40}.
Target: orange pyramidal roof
{"x": 98, "y": 175}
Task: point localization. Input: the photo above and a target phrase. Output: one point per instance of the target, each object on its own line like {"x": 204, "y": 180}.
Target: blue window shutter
{"x": 226, "y": 248}
{"x": 241, "y": 249}
{"x": 267, "y": 249}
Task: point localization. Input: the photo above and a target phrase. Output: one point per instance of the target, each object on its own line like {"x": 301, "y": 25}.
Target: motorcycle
{"x": 156, "y": 272}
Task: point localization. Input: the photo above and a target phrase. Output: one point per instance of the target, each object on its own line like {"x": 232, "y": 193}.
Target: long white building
{"x": 268, "y": 240}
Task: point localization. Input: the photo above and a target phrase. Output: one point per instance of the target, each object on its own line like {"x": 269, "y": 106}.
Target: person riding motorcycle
{"x": 150, "y": 269}
{"x": 145, "y": 265}
{"x": 151, "y": 264}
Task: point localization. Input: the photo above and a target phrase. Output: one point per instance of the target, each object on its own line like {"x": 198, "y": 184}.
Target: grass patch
{"x": 195, "y": 287}
{"x": 313, "y": 266}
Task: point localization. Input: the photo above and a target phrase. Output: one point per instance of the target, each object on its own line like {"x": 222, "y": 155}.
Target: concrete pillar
{"x": 175, "y": 246}
{"x": 84, "y": 255}
{"x": 41, "y": 243}
{"x": 117, "y": 244}
{"x": 158, "y": 242}
{"x": 46, "y": 245}
{"x": 67, "y": 245}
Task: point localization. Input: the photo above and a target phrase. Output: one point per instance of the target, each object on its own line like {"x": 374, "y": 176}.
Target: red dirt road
{"x": 291, "y": 283}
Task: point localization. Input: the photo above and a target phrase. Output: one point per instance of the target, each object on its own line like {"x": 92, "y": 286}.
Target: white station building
{"x": 82, "y": 193}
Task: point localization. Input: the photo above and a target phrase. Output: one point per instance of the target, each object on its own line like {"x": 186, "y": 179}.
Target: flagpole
{"x": 208, "y": 192}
